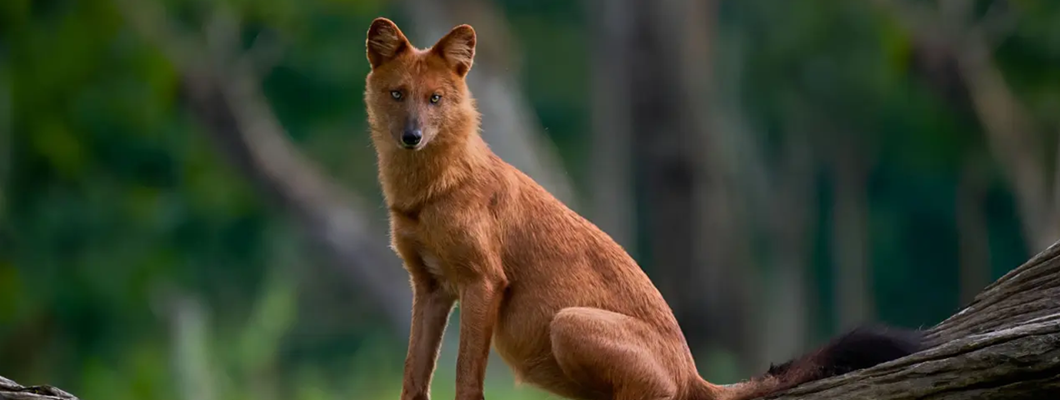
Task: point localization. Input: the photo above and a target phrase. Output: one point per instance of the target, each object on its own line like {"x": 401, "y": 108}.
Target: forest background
{"x": 189, "y": 206}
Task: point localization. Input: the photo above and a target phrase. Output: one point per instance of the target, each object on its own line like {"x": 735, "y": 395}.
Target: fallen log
{"x": 1004, "y": 345}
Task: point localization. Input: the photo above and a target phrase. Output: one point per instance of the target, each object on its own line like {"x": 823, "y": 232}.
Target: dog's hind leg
{"x": 615, "y": 354}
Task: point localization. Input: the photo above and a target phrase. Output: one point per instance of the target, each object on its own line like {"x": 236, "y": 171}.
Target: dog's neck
{"x": 412, "y": 178}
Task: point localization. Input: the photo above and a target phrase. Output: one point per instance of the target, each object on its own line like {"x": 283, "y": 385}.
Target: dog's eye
{"x": 396, "y": 94}
{"x": 435, "y": 98}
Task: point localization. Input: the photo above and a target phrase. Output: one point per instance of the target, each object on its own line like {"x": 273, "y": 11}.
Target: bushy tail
{"x": 861, "y": 348}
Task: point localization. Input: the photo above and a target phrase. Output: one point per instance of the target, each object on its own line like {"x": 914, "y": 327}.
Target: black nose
{"x": 411, "y": 137}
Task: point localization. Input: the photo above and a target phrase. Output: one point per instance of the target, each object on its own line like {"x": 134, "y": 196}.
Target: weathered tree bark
{"x": 9, "y": 390}
{"x": 1020, "y": 362}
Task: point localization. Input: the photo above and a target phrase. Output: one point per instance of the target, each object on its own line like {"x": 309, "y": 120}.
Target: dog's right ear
{"x": 385, "y": 41}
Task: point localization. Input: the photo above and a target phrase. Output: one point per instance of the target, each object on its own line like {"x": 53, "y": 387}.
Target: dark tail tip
{"x": 858, "y": 349}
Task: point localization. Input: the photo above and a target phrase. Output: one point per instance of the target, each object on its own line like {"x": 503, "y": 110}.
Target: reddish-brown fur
{"x": 564, "y": 305}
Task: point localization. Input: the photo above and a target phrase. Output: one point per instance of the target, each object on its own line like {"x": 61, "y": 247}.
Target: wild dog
{"x": 563, "y": 304}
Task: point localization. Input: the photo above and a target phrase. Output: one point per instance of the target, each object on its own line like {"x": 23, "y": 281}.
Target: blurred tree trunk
{"x": 850, "y": 261}
{"x": 972, "y": 230}
{"x": 717, "y": 295}
{"x": 791, "y": 223}
{"x": 509, "y": 124}
{"x": 663, "y": 173}
{"x": 684, "y": 195}
{"x": 773, "y": 197}
{"x": 5, "y": 139}
{"x": 190, "y": 329}
{"x": 665, "y": 148}
{"x": 612, "y": 136}
{"x": 1016, "y": 145}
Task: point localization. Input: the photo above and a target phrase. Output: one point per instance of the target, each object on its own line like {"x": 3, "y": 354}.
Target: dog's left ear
{"x": 457, "y": 48}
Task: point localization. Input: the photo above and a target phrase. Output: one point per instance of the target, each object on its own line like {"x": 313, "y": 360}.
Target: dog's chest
{"x": 414, "y": 243}
{"x": 431, "y": 262}
{"x": 437, "y": 268}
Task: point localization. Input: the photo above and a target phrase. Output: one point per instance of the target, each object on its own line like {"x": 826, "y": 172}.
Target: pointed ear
{"x": 457, "y": 48}
{"x": 385, "y": 41}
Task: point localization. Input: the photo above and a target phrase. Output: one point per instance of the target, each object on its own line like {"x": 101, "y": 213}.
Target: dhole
{"x": 564, "y": 305}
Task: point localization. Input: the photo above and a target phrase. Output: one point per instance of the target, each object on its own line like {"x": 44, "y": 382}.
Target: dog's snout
{"x": 411, "y": 137}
